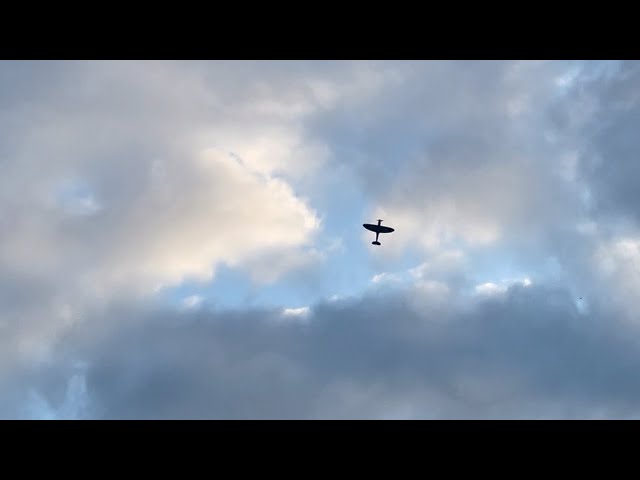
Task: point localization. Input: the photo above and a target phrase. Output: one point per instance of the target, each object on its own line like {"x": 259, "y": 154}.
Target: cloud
{"x": 608, "y": 161}
{"x": 296, "y": 311}
{"x": 478, "y": 181}
{"x": 490, "y": 289}
{"x": 202, "y": 205}
{"x": 385, "y": 277}
{"x": 526, "y": 354}
{"x": 120, "y": 178}
{"x": 443, "y": 263}
{"x": 192, "y": 301}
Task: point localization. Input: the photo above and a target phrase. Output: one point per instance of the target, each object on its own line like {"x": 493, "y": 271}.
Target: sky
{"x": 183, "y": 239}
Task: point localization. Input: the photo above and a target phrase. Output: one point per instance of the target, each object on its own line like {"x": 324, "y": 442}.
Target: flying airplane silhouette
{"x": 378, "y": 229}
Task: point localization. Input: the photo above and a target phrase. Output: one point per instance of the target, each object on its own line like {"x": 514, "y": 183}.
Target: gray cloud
{"x": 528, "y": 354}
{"x": 609, "y": 157}
{"x": 464, "y": 153}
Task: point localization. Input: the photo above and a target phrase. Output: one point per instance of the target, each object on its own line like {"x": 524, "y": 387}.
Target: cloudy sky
{"x": 184, "y": 239}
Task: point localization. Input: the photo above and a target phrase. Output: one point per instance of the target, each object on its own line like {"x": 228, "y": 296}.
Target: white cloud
{"x": 385, "y": 277}
{"x": 128, "y": 181}
{"x": 616, "y": 266}
{"x": 442, "y": 263}
{"x": 169, "y": 206}
{"x": 193, "y": 301}
{"x": 476, "y": 181}
{"x": 490, "y": 289}
{"x": 296, "y": 312}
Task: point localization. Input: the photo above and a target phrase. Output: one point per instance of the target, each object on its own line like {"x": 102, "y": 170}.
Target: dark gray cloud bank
{"x": 529, "y": 354}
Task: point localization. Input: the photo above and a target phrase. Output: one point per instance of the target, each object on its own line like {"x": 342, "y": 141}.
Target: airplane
{"x": 378, "y": 229}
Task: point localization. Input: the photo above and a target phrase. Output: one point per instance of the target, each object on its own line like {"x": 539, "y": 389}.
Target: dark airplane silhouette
{"x": 378, "y": 229}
